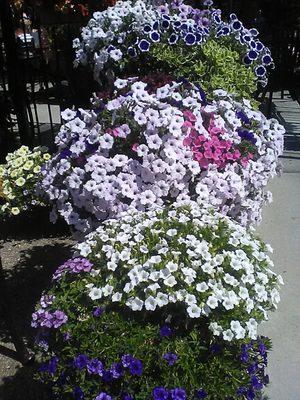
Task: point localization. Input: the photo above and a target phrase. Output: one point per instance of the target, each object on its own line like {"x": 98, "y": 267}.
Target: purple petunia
{"x": 127, "y": 396}
{"x": 171, "y": 358}
{"x": 178, "y": 394}
{"x": 103, "y": 396}
{"x": 59, "y": 318}
{"x": 160, "y": 393}
{"x": 107, "y": 376}
{"x": 144, "y": 45}
{"x": 126, "y": 360}
{"x": 81, "y": 361}
{"x": 73, "y": 266}
{"x": 78, "y": 393}
{"x": 165, "y": 331}
{"x": 95, "y": 366}
{"x": 202, "y": 394}
{"x": 136, "y": 367}
{"x": 43, "y": 318}
{"x": 116, "y": 370}
{"x": 50, "y": 366}
{"x": 97, "y": 312}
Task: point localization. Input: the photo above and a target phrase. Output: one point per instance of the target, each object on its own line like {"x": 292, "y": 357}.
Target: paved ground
{"x": 281, "y": 228}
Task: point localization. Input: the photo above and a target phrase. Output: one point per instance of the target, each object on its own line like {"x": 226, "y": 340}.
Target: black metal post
{"x": 15, "y": 81}
{"x": 7, "y": 311}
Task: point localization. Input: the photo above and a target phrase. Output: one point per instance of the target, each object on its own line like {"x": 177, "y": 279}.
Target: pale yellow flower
{"x": 28, "y": 165}
{"x": 46, "y": 156}
{"x": 15, "y": 210}
{"x": 37, "y": 169}
{"x": 20, "y": 181}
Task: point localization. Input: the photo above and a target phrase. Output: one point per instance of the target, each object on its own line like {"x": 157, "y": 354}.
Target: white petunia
{"x": 194, "y": 311}
{"x": 170, "y": 281}
{"x": 150, "y": 303}
{"x": 95, "y": 293}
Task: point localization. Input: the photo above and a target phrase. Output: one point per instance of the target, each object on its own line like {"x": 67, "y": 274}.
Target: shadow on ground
{"x": 29, "y": 277}
{"x": 23, "y": 386}
{"x": 31, "y": 250}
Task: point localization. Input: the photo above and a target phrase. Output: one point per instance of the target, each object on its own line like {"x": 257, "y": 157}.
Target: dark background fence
{"x": 37, "y": 78}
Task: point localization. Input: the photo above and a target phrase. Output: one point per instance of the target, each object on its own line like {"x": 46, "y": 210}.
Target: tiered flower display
{"x": 162, "y": 304}
{"x": 18, "y": 179}
{"x": 137, "y": 35}
{"x": 145, "y": 148}
{"x": 166, "y": 176}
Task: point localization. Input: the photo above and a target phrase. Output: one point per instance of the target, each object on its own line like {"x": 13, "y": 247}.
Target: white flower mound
{"x": 204, "y": 262}
{"x": 109, "y": 27}
{"x": 140, "y": 154}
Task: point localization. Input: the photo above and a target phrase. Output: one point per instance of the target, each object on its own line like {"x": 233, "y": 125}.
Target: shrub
{"x": 162, "y": 304}
{"x": 147, "y": 148}
{"x": 19, "y": 177}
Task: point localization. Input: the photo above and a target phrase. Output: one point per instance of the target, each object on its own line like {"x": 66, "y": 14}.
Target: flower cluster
{"x": 150, "y": 149}
{"x": 73, "y": 266}
{"x": 134, "y": 31}
{"x": 43, "y": 318}
{"x": 19, "y": 177}
{"x": 205, "y": 263}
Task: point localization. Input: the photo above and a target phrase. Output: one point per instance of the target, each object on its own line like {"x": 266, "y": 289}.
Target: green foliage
{"x": 214, "y": 65}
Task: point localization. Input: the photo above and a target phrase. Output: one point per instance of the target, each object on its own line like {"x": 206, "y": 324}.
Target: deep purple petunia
{"x": 144, "y": 45}
{"x": 81, "y": 361}
{"x": 78, "y": 393}
{"x": 256, "y": 383}
{"x": 97, "y": 312}
{"x": 160, "y": 393}
{"x": 116, "y": 370}
{"x": 260, "y": 70}
{"x": 171, "y": 358}
{"x": 126, "y": 360}
{"x": 95, "y": 366}
{"x": 127, "y": 396}
{"x": 178, "y": 394}
{"x": 107, "y": 376}
{"x": 103, "y": 396}
{"x": 190, "y": 39}
{"x": 136, "y": 367}
{"x": 67, "y": 336}
{"x": 165, "y": 331}
{"x": 215, "y": 348}
{"x": 201, "y": 393}
{"x": 50, "y": 366}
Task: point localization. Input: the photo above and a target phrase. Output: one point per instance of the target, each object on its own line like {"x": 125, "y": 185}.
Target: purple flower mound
{"x": 73, "y": 266}
{"x": 171, "y": 358}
